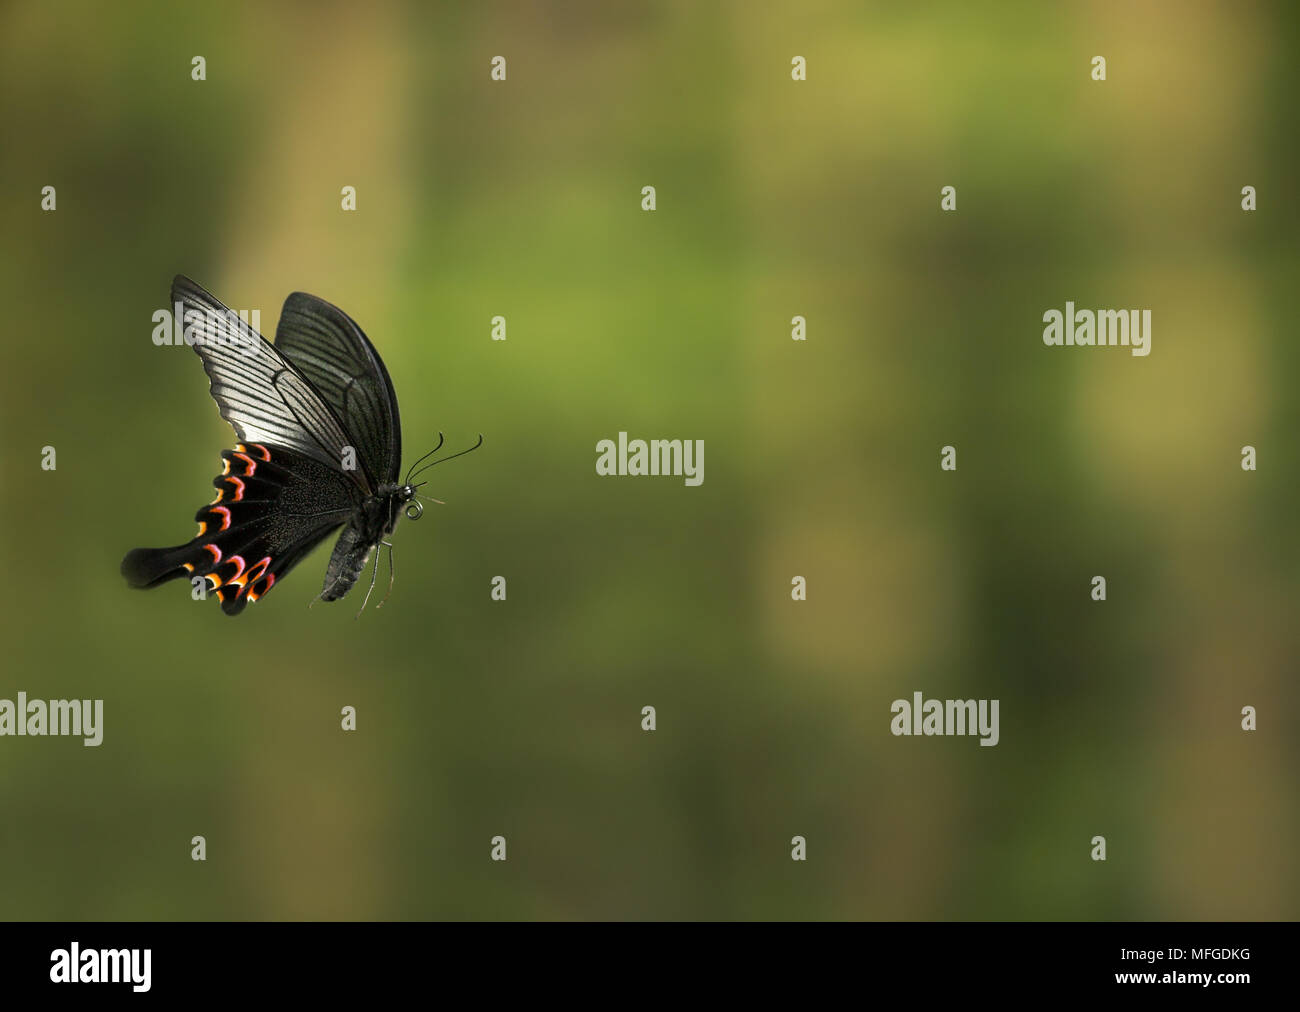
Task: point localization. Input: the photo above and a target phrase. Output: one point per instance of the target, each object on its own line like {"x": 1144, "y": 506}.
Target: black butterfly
{"x": 320, "y": 447}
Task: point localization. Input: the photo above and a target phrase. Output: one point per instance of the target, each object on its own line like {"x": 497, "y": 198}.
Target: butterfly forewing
{"x": 257, "y": 390}
{"x": 331, "y": 351}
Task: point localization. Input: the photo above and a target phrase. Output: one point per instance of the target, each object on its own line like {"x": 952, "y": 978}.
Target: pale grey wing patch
{"x": 257, "y": 391}
{"x": 315, "y": 422}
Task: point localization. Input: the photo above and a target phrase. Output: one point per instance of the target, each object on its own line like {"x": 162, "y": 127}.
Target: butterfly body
{"x": 319, "y": 450}
{"x": 370, "y": 526}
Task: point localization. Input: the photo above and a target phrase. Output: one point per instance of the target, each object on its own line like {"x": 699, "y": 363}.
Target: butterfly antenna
{"x": 425, "y": 457}
{"x": 445, "y": 459}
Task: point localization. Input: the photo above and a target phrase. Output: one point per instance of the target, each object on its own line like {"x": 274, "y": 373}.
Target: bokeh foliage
{"x": 775, "y": 199}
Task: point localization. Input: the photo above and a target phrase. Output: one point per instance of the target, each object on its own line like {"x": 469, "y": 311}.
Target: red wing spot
{"x": 216, "y": 554}
{"x": 238, "y": 576}
{"x": 254, "y": 580}
{"x": 263, "y": 585}
{"x": 239, "y": 490}
{"x": 258, "y": 568}
{"x": 247, "y": 579}
{"x": 252, "y": 464}
{"x": 225, "y": 516}
{"x": 266, "y": 454}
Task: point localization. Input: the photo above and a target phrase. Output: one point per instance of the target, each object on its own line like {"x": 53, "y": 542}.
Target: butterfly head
{"x": 408, "y": 501}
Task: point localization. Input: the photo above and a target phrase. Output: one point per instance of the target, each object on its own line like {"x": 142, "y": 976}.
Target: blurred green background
{"x": 775, "y": 198}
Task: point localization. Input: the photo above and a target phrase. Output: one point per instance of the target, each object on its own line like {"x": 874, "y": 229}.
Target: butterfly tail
{"x": 148, "y": 567}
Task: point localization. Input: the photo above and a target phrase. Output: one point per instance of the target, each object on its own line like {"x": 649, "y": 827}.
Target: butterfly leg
{"x": 390, "y": 574}
{"x": 373, "y": 573}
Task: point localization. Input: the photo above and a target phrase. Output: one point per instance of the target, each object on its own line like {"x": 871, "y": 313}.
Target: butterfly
{"x": 320, "y": 448}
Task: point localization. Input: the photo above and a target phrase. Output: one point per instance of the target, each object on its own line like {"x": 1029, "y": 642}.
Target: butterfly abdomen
{"x": 351, "y": 553}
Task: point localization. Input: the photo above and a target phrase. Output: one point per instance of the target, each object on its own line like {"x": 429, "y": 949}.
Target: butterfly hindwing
{"x": 273, "y": 506}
